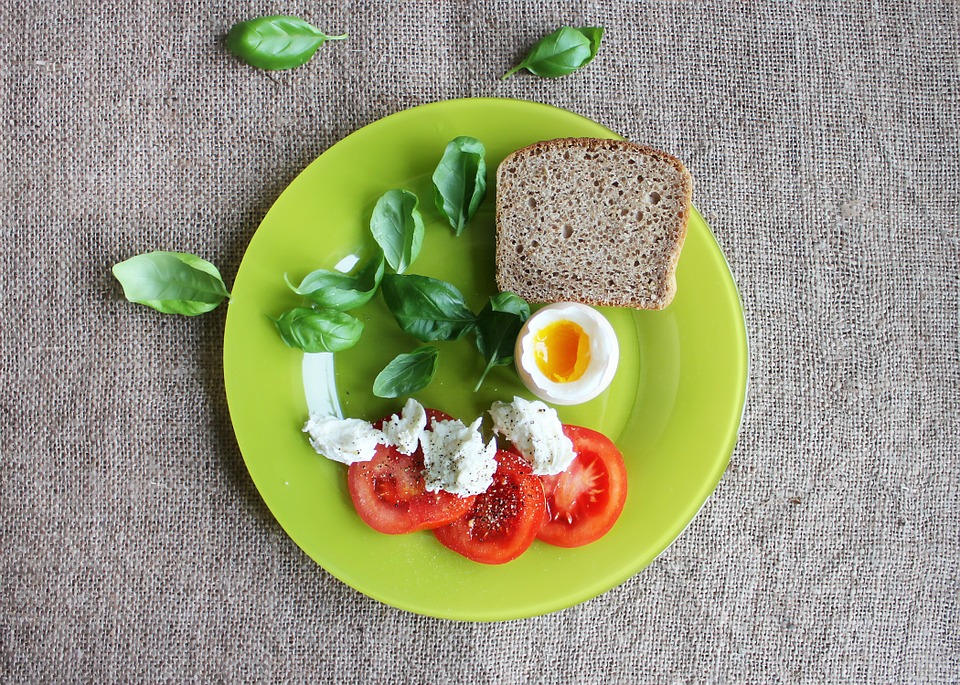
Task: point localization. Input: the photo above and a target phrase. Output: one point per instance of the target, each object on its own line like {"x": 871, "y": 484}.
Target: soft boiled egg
{"x": 567, "y": 353}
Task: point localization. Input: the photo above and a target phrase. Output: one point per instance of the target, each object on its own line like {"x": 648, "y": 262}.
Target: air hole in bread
{"x": 567, "y": 231}
{"x": 652, "y": 198}
{"x": 519, "y": 248}
{"x": 532, "y": 203}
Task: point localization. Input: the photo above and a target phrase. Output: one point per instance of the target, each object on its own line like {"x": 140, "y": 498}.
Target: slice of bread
{"x": 595, "y": 221}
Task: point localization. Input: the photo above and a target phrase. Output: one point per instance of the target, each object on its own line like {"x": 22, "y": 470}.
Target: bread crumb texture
{"x": 587, "y": 220}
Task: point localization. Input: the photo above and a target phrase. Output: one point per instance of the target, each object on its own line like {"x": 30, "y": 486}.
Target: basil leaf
{"x": 171, "y": 282}
{"x": 319, "y": 330}
{"x": 562, "y": 52}
{"x": 336, "y": 290}
{"x": 276, "y": 42}
{"x": 407, "y": 373}
{"x": 595, "y": 36}
{"x": 497, "y": 329}
{"x": 397, "y": 227}
{"x": 460, "y": 181}
{"x": 510, "y": 303}
{"x": 427, "y": 308}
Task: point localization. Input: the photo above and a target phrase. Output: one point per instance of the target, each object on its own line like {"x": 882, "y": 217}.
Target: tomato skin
{"x": 585, "y": 501}
{"x": 390, "y": 496}
{"x": 503, "y": 521}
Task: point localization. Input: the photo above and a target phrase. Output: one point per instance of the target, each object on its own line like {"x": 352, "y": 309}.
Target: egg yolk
{"x": 562, "y": 351}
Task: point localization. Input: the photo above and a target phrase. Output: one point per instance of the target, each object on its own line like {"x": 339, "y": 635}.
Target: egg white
{"x": 604, "y": 354}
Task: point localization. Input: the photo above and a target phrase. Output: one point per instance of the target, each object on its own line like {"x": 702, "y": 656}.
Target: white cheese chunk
{"x": 343, "y": 440}
{"x": 403, "y": 430}
{"x": 456, "y": 459}
{"x": 535, "y": 430}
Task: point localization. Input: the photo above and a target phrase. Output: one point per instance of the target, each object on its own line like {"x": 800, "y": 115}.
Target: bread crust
{"x": 591, "y": 160}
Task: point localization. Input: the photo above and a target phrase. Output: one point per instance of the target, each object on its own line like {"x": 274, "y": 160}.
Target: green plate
{"x": 674, "y": 408}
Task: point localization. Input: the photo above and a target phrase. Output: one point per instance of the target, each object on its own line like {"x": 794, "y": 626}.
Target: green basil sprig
{"x": 171, "y": 282}
{"x": 562, "y": 52}
{"x": 276, "y": 42}
{"x": 460, "y": 181}
{"x": 319, "y": 330}
{"x": 498, "y": 326}
{"x": 427, "y": 308}
{"x": 397, "y": 227}
{"x": 336, "y": 290}
{"x": 407, "y": 373}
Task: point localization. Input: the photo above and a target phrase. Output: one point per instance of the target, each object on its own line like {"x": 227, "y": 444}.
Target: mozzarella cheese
{"x": 535, "y": 430}
{"x": 455, "y": 458}
{"x": 343, "y": 440}
{"x": 403, "y": 430}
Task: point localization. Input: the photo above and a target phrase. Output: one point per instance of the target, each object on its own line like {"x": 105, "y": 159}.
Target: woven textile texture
{"x": 823, "y": 139}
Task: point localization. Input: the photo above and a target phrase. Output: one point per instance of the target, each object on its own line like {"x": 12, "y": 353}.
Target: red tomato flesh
{"x": 504, "y": 520}
{"x": 390, "y": 495}
{"x": 586, "y": 500}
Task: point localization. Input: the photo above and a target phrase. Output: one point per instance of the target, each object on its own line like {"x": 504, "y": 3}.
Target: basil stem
{"x": 498, "y": 326}
{"x": 319, "y": 330}
{"x": 276, "y": 42}
{"x": 562, "y": 52}
{"x": 171, "y": 282}
{"x": 336, "y": 290}
{"x": 427, "y": 308}
{"x": 397, "y": 227}
{"x": 407, "y": 373}
{"x": 460, "y": 181}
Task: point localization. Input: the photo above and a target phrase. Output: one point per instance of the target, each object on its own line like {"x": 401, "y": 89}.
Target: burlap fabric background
{"x": 824, "y": 143}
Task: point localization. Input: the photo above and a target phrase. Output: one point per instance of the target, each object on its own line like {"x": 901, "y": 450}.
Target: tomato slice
{"x": 585, "y": 501}
{"x": 503, "y": 521}
{"x": 390, "y": 495}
